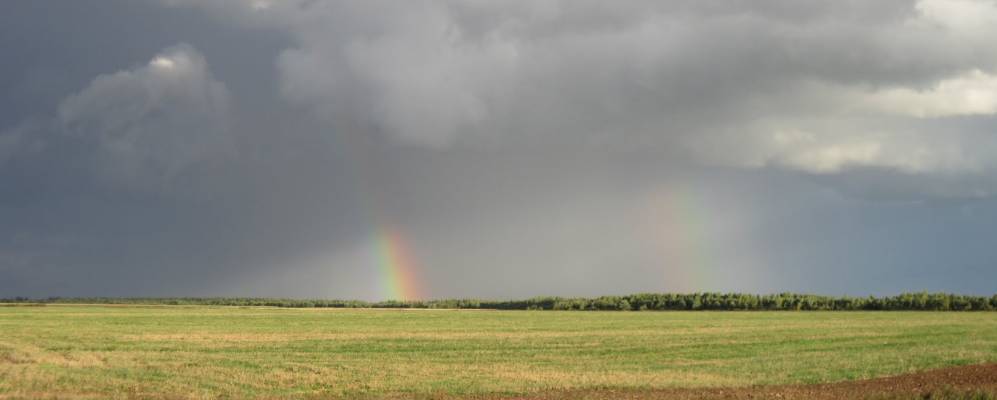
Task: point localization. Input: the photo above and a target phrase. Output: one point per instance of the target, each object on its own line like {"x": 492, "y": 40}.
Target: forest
{"x": 921, "y": 301}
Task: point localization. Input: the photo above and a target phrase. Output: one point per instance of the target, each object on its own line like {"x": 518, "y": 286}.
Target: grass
{"x": 209, "y": 352}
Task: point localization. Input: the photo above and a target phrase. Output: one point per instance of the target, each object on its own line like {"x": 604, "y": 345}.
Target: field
{"x": 81, "y": 351}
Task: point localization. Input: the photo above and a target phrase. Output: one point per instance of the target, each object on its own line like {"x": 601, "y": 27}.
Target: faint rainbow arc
{"x": 680, "y": 223}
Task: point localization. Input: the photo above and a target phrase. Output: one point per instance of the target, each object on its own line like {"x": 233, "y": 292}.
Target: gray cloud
{"x": 150, "y": 123}
{"x": 799, "y": 85}
{"x": 523, "y": 148}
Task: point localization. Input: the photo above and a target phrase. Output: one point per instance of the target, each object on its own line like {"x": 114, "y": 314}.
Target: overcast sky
{"x": 519, "y": 148}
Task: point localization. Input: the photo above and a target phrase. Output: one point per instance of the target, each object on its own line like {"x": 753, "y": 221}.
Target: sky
{"x": 496, "y": 149}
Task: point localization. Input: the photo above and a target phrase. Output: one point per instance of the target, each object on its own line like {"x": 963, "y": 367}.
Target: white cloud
{"x": 834, "y": 127}
{"x": 163, "y": 63}
{"x": 910, "y": 153}
{"x": 801, "y": 150}
{"x": 972, "y": 93}
{"x": 962, "y": 17}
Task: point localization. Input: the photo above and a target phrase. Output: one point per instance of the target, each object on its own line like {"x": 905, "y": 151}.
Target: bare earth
{"x": 959, "y": 379}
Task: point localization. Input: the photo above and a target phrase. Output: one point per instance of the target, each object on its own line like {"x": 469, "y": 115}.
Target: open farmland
{"x": 84, "y": 351}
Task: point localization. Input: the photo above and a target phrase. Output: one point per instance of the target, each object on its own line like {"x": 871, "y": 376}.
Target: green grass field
{"x": 155, "y": 351}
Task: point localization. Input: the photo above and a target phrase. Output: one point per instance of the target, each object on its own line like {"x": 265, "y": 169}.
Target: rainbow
{"x": 687, "y": 227}
{"x": 390, "y": 258}
{"x": 680, "y": 225}
{"x": 398, "y": 268}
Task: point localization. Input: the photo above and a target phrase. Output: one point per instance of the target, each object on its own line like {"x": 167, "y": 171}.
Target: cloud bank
{"x": 802, "y": 86}
{"x": 559, "y": 147}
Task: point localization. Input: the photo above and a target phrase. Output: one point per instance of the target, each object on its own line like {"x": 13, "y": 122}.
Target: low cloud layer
{"x": 567, "y": 147}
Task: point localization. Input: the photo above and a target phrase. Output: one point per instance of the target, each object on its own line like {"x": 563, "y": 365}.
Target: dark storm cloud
{"x": 256, "y": 147}
{"x": 800, "y": 85}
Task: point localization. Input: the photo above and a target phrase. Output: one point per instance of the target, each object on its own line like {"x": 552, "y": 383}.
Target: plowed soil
{"x": 969, "y": 378}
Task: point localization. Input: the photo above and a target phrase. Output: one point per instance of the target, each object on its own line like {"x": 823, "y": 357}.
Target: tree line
{"x": 921, "y": 301}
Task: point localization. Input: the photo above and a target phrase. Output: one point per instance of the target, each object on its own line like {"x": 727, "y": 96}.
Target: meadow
{"x": 104, "y": 351}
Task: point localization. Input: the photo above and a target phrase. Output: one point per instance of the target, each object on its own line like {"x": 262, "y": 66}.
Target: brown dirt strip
{"x": 971, "y": 378}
